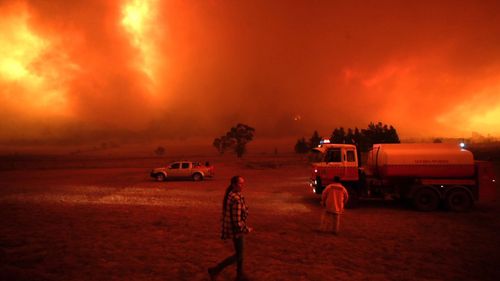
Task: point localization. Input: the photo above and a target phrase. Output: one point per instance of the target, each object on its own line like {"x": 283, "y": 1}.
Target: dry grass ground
{"x": 105, "y": 219}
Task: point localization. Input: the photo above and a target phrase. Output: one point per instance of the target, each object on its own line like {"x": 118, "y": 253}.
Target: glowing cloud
{"x": 138, "y": 17}
{"x": 480, "y": 112}
{"x": 19, "y": 48}
{"x": 28, "y": 67}
{"x": 179, "y": 68}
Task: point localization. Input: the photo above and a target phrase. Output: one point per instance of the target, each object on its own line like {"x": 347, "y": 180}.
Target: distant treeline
{"x": 363, "y": 139}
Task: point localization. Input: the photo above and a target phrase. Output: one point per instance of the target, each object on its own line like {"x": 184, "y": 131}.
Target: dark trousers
{"x": 236, "y": 258}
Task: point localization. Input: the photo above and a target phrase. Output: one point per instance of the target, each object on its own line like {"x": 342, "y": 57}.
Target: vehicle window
{"x": 333, "y": 155}
{"x": 175, "y": 166}
{"x": 185, "y": 165}
{"x": 350, "y": 156}
{"x": 316, "y": 157}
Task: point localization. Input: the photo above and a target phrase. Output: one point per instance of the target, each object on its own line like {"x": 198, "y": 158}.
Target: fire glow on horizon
{"x": 170, "y": 68}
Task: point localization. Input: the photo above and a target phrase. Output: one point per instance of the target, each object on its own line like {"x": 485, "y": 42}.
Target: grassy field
{"x": 100, "y": 217}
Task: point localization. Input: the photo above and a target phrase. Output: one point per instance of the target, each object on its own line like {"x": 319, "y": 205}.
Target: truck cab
{"x": 334, "y": 160}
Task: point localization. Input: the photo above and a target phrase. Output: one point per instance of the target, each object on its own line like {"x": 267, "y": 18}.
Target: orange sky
{"x": 78, "y": 70}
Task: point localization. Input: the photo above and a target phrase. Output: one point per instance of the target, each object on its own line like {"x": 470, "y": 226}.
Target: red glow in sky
{"x": 193, "y": 68}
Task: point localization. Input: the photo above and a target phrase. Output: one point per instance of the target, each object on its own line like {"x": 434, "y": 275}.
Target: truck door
{"x": 185, "y": 170}
{"x": 350, "y": 164}
{"x": 173, "y": 170}
{"x": 334, "y": 164}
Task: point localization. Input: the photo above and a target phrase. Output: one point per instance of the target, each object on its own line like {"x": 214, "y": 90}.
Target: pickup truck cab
{"x": 183, "y": 170}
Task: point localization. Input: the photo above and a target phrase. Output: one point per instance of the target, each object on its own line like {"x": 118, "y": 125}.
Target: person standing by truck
{"x": 333, "y": 198}
{"x": 234, "y": 215}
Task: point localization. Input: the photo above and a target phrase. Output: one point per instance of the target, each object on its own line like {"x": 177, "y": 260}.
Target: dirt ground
{"x": 105, "y": 219}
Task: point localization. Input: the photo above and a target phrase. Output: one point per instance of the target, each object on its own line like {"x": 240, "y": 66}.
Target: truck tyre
{"x": 197, "y": 177}
{"x": 426, "y": 199}
{"x": 160, "y": 177}
{"x": 319, "y": 186}
{"x": 458, "y": 200}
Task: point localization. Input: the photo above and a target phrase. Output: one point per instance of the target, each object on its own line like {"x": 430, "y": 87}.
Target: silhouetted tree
{"x": 315, "y": 139}
{"x": 378, "y": 133}
{"x": 160, "y": 151}
{"x": 349, "y": 137}
{"x": 217, "y": 143}
{"x": 357, "y": 136}
{"x": 365, "y": 138}
{"x": 302, "y": 146}
{"x": 393, "y": 135}
{"x": 338, "y": 136}
{"x": 237, "y": 138}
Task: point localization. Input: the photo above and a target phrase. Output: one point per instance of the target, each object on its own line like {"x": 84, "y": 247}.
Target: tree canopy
{"x": 363, "y": 139}
{"x": 236, "y": 138}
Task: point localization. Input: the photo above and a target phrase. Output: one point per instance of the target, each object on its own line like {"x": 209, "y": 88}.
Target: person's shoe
{"x": 213, "y": 273}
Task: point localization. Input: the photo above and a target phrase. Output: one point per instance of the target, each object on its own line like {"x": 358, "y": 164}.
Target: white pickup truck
{"x": 183, "y": 169}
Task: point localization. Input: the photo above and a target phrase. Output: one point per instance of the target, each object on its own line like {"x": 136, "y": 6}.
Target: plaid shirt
{"x": 234, "y": 219}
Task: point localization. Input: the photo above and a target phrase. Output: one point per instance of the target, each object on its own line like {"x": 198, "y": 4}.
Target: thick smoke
{"x": 83, "y": 70}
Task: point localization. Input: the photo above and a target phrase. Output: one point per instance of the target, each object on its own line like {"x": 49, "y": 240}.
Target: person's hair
{"x": 336, "y": 179}
{"x": 234, "y": 180}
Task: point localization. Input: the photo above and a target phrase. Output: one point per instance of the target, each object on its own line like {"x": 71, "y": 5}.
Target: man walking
{"x": 234, "y": 215}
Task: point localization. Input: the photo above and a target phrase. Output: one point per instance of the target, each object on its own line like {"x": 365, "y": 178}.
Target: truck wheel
{"x": 160, "y": 177}
{"x": 458, "y": 200}
{"x": 426, "y": 199}
{"x": 197, "y": 177}
{"x": 319, "y": 187}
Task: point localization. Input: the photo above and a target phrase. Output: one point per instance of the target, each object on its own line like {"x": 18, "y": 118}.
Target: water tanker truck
{"x": 425, "y": 174}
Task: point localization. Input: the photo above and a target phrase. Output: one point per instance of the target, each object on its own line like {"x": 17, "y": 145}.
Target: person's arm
{"x": 324, "y": 196}
{"x": 346, "y": 196}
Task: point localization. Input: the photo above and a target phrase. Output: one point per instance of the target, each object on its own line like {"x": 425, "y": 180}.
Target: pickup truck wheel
{"x": 458, "y": 200}
{"x": 160, "y": 177}
{"x": 426, "y": 199}
{"x": 197, "y": 177}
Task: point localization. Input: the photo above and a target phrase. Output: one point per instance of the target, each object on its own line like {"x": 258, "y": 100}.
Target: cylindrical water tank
{"x": 420, "y": 160}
